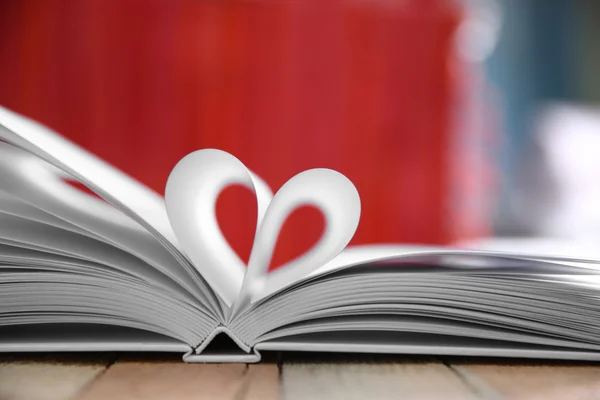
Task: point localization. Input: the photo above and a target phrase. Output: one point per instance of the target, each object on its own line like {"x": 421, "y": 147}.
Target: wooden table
{"x": 291, "y": 376}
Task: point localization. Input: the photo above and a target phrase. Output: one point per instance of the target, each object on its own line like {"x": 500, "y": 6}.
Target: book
{"x": 124, "y": 269}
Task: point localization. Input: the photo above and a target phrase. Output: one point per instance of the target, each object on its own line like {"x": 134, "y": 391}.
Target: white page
{"x": 46, "y": 198}
{"x": 36, "y": 297}
{"x": 423, "y": 326}
{"x": 126, "y": 194}
{"x": 143, "y": 204}
{"x": 85, "y": 338}
{"x": 356, "y": 255}
{"x": 48, "y": 237}
{"x": 13, "y": 206}
{"x": 395, "y": 343}
{"x": 526, "y": 294}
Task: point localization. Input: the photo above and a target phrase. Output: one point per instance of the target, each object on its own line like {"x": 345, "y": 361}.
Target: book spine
{"x": 250, "y": 358}
{"x": 239, "y": 353}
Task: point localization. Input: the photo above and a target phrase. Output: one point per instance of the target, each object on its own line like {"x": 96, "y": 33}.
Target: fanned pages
{"x": 127, "y": 270}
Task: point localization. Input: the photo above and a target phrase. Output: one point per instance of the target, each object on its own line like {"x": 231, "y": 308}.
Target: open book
{"x": 130, "y": 270}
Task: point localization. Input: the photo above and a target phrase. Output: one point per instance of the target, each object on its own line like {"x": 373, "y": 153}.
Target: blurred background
{"x": 458, "y": 121}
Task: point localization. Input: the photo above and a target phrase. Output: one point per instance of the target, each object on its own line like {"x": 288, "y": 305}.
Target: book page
{"x": 357, "y": 255}
{"x": 495, "y": 298}
{"x": 142, "y": 203}
{"x": 139, "y": 203}
{"x": 39, "y": 193}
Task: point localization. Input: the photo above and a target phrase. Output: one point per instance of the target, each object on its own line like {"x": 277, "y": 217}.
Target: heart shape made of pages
{"x": 191, "y": 195}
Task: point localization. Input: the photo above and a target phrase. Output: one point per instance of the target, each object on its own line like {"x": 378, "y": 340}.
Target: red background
{"x": 364, "y": 87}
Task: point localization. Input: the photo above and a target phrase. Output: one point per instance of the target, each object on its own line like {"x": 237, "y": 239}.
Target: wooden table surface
{"x": 130, "y": 376}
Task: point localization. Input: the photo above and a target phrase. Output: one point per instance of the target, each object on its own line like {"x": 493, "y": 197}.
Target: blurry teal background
{"x": 546, "y": 51}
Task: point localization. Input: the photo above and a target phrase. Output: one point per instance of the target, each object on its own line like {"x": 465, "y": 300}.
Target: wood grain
{"x": 533, "y": 382}
{"x": 176, "y": 380}
{"x": 90, "y": 377}
{"x": 46, "y": 378}
{"x": 263, "y": 383}
{"x": 427, "y": 380}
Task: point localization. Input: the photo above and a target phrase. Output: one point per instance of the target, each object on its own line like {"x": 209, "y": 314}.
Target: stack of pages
{"x": 129, "y": 270}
